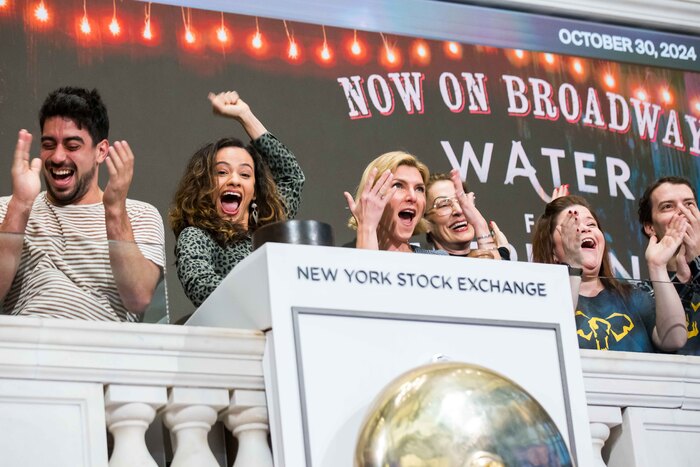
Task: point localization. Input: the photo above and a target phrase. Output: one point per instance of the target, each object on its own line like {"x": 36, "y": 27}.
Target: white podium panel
{"x": 65, "y": 419}
{"x": 345, "y": 322}
{"x": 654, "y": 437}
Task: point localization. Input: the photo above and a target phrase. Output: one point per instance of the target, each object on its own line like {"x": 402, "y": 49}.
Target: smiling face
{"x": 404, "y": 210}
{"x": 449, "y": 227}
{"x": 665, "y": 202}
{"x": 235, "y": 180}
{"x": 592, "y": 241}
{"x": 69, "y": 162}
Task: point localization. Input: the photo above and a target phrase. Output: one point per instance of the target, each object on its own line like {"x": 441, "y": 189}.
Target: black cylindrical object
{"x": 299, "y": 232}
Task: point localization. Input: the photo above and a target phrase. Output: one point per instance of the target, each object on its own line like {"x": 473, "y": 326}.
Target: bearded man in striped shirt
{"x": 75, "y": 250}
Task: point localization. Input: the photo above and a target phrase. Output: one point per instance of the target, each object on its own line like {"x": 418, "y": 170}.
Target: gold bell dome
{"x": 454, "y": 414}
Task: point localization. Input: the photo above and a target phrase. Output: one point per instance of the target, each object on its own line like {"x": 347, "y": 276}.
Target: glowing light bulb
{"x": 114, "y": 27}
{"x": 325, "y": 53}
{"x": 189, "y": 37}
{"x": 549, "y": 58}
{"x": 355, "y": 48}
{"x": 293, "y": 50}
{"x": 3, "y": 3}
{"x": 666, "y": 96}
{"x": 421, "y": 51}
{"x": 609, "y": 80}
{"x": 257, "y": 40}
{"x": 697, "y": 106}
{"x": 147, "y": 30}
{"x": 85, "y": 25}
{"x": 147, "y": 34}
{"x": 452, "y": 50}
{"x": 41, "y": 13}
{"x": 222, "y": 34}
{"x": 641, "y": 95}
{"x": 390, "y": 56}
{"x": 578, "y": 68}
{"x": 519, "y": 53}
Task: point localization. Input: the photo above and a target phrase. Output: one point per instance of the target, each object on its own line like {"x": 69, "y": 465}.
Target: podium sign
{"x": 343, "y": 323}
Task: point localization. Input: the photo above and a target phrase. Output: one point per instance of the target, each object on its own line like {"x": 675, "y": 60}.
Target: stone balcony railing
{"x": 651, "y": 402}
{"x": 64, "y": 384}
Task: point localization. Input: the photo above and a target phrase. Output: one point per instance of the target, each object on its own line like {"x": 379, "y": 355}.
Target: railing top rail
{"x": 130, "y": 353}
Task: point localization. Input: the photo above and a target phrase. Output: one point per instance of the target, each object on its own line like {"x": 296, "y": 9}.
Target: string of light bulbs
{"x": 419, "y": 50}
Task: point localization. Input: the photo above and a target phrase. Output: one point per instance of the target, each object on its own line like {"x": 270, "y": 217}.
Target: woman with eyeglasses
{"x": 454, "y": 221}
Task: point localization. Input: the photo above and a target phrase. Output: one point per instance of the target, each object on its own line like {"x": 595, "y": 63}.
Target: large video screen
{"x": 519, "y": 103}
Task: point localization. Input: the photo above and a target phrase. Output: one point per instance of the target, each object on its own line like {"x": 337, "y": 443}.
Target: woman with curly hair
{"x": 610, "y": 314}
{"x": 227, "y": 192}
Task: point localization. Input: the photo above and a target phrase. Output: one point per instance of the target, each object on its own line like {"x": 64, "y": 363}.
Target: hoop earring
{"x": 254, "y": 212}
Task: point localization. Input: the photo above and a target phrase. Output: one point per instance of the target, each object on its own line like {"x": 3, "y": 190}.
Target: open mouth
{"x": 407, "y": 215}
{"x": 61, "y": 175}
{"x": 460, "y": 226}
{"x": 230, "y": 202}
{"x": 588, "y": 243}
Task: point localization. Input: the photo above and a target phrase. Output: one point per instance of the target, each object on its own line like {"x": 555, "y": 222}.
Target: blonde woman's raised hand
{"x": 369, "y": 206}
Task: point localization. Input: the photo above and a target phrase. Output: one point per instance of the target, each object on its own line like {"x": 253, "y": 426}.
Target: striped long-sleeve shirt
{"x": 64, "y": 270}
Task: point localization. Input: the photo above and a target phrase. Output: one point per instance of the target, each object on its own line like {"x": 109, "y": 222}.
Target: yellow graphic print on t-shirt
{"x": 600, "y": 329}
{"x": 692, "y": 325}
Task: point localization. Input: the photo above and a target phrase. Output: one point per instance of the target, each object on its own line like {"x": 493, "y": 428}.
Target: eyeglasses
{"x": 444, "y": 206}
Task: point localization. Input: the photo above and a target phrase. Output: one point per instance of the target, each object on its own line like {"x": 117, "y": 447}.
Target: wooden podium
{"x": 342, "y": 323}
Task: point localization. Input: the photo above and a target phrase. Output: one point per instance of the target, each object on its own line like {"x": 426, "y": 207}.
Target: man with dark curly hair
{"x": 75, "y": 250}
{"x": 666, "y": 199}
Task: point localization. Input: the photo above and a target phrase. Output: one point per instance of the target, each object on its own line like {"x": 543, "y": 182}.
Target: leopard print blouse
{"x": 201, "y": 262}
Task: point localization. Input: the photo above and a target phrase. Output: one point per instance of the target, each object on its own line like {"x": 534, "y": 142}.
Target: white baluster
{"x": 599, "y": 435}
{"x": 129, "y": 412}
{"x": 247, "y": 419}
{"x": 189, "y": 415}
{"x": 601, "y": 419}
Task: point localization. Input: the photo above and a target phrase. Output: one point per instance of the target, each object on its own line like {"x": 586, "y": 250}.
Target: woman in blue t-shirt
{"x": 610, "y": 314}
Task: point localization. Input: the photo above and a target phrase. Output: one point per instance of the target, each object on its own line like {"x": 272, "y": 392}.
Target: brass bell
{"x": 454, "y": 414}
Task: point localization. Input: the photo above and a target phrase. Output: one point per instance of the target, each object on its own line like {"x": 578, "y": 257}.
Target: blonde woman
{"x": 388, "y": 207}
